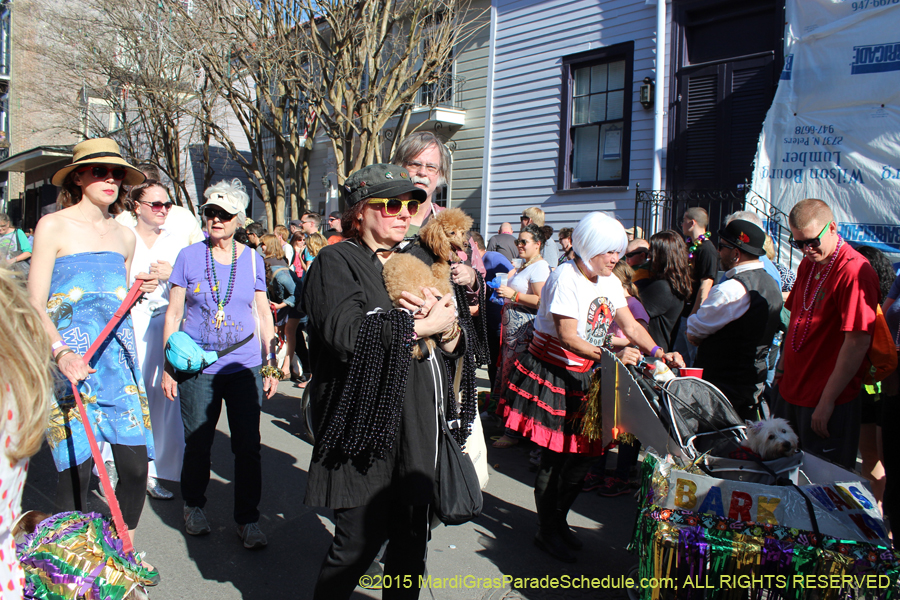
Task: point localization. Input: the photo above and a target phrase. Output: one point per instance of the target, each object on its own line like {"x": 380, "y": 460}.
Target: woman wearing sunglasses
{"x": 155, "y": 252}
{"x": 374, "y": 458}
{"x": 218, "y": 289}
{"x": 79, "y": 275}
{"x": 522, "y": 296}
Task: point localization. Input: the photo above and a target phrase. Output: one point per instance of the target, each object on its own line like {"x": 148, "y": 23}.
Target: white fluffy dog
{"x": 771, "y": 439}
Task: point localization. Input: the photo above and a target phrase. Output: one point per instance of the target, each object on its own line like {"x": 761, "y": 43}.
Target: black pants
{"x": 358, "y": 535}
{"x": 558, "y": 483}
{"x": 890, "y": 436}
{"x": 131, "y": 465}
{"x": 841, "y": 446}
{"x": 201, "y": 404}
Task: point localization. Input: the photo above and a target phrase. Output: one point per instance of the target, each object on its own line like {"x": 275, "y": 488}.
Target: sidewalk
{"x": 217, "y": 567}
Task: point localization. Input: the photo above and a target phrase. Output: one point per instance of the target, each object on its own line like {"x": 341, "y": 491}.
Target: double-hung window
{"x": 596, "y": 117}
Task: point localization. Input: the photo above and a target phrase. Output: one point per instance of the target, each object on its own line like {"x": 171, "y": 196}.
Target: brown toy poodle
{"x": 444, "y": 233}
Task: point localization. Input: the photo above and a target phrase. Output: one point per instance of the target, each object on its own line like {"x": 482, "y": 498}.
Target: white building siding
{"x": 531, "y": 39}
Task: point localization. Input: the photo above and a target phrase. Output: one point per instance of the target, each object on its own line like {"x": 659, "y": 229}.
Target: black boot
{"x": 566, "y": 534}
{"x": 551, "y": 542}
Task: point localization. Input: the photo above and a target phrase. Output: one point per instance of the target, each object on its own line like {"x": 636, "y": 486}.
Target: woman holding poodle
{"x": 374, "y": 458}
{"x": 546, "y": 393}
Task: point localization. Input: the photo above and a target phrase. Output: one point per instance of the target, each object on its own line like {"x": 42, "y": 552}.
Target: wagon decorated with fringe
{"x": 713, "y": 527}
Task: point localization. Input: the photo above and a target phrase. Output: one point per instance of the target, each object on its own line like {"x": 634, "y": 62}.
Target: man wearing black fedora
{"x": 735, "y": 325}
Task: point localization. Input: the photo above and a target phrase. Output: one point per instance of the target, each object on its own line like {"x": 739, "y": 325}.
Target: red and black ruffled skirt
{"x": 544, "y": 400}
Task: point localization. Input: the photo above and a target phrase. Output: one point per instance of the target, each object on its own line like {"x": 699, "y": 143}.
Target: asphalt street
{"x": 465, "y": 562}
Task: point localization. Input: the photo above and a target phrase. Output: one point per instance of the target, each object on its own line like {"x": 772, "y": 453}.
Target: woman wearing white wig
{"x": 546, "y": 391}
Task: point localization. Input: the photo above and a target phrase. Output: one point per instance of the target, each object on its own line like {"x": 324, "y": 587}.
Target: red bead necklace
{"x": 806, "y": 309}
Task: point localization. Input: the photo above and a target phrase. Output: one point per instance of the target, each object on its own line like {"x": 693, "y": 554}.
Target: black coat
{"x": 343, "y": 284}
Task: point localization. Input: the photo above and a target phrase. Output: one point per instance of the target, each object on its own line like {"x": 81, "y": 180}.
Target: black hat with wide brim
{"x": 380, "y": 181}
{"x": 745, "y": 236}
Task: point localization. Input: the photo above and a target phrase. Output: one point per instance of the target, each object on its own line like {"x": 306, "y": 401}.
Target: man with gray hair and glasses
{"x": 427, "y": 160}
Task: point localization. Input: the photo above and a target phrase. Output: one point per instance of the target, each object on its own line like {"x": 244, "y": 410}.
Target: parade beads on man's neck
{"x": 809, "y": 303}
{"x": 696, "y": 243}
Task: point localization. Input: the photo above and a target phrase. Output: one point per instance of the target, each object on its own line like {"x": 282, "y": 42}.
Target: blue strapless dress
{"x": 85, "y": 291}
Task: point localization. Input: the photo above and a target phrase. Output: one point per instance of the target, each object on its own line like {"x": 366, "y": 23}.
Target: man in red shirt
{"x": 832, "y": 306}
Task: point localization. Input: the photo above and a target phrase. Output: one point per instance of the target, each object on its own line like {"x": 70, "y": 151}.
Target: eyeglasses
{"x": 102, "y": 172}
{"x": 418, "y": 166}
{"x": 725, "y": 245}
{"x": 211, "y": 212}
{"x": 391, "y": 207}
{"x": 812, "y": 243}
{"x": 634, "y": 253}
{"x": 158, "y": 206}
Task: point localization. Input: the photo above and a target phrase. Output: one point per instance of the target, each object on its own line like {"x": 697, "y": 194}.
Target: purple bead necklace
{"x": 806, "y": 308}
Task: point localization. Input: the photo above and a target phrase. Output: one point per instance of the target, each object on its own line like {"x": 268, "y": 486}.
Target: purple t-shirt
{"x": 190, "y": 272}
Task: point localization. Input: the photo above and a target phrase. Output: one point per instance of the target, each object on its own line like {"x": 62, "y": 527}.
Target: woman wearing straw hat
{"x": 79, "y": 277}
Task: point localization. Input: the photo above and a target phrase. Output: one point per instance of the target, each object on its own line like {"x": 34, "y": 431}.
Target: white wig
{"x": 598, "y": 233}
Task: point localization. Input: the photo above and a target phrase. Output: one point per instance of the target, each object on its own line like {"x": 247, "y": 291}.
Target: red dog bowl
{"x": 686, "y": 372}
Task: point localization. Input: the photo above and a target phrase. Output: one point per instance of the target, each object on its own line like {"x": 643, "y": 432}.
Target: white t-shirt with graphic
{"x": 536, "y": 272}
{"x": 568, "y": 293}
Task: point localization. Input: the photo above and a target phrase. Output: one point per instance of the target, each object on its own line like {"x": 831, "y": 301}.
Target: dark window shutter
{"x": 720, "y": 116}
{"x": 751, "y": 95}
{"x": 701, "y": 117}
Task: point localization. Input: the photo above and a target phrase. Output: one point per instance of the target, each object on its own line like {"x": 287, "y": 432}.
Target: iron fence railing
{"x": 656, "y": 210}
{"x": 445, "y": 91}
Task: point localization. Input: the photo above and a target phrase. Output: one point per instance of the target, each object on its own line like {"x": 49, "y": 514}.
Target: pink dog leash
{"x": 133, "y": 296}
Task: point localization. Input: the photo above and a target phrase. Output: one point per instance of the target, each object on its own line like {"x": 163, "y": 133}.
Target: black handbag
{"x": 457, "y": 492}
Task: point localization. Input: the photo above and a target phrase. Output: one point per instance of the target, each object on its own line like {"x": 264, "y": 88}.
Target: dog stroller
{"x": 712, "y": 527}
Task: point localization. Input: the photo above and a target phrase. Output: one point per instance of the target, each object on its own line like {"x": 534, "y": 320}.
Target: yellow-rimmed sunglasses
{"x": 392, "y": 207}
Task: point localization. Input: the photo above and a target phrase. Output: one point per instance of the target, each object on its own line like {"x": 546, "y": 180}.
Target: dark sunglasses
{"x": 634, "y": 253}
{"x": 521, "y": 242}
{"x": 102, "y": 171}
{"x": 158, "y": 206}
{"x": 813, "y": 243}
{"x": 391, "y": 207}
{"x": 725, "y": 245}
{"x": 211, "y": 212}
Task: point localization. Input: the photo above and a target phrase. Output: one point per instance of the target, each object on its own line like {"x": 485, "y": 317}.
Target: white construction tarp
{"x": 833, "y": 131}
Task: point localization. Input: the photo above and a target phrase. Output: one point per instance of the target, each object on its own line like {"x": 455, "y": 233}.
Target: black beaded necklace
{"x": 214, "y": 283}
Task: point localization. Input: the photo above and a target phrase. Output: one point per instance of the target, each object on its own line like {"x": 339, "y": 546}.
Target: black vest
{"x": 737, "y": 352}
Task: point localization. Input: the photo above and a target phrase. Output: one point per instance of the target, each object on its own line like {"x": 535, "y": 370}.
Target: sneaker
{"x": 592, "y": 482}
{"x": 154, "y": 490}
{"x": 252, "y": 536}
{"x": 613, "y": 487}
{"x": 195, "y": 522}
